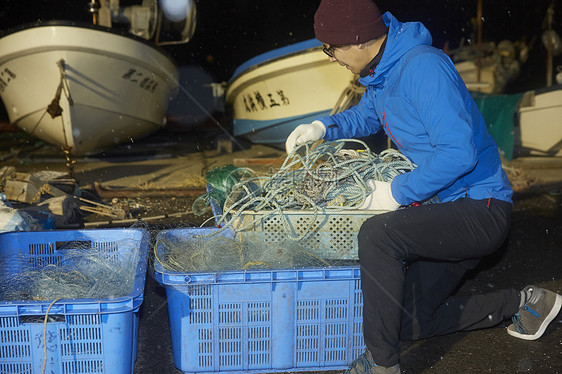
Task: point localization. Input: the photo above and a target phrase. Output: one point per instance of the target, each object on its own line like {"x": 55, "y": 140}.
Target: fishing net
{"x": 256, "y": 231}
{"x": 220, "y": 181}
{"x": 81, "y": 271}
{"x": 222, "y": 253}
{"x": 325, "y": 178}
{"x": 79, "y": 274}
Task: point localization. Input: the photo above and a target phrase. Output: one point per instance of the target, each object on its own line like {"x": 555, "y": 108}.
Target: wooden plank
{"x": 109, "y": 193}
{"x": 260, "y": 161}
{"x": 22, "y": 191}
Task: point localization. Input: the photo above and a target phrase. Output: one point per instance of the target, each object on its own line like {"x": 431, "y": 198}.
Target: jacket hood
{"x": 402, "y": 36}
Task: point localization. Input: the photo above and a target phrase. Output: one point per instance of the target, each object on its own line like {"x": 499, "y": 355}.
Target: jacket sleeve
{"x": 434, "y": 88}
{"x": 355, "y": 122}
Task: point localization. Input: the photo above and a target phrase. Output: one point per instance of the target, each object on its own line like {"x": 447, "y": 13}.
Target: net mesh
{"x": 81, "y": 271}
{"x": 78, "y": 274}
{"x": 206, "y": 253}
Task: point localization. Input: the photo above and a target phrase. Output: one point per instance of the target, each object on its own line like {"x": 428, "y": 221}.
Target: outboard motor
{"x": 149, "y": 19}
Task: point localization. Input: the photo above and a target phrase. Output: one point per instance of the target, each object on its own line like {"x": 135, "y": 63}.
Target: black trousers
{"x": 411, "y": 261}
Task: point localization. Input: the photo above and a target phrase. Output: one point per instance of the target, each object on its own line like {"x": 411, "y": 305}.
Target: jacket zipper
{"x": 387, "y": 129}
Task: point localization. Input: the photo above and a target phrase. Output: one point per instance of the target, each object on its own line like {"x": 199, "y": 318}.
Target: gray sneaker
{"x": 533, "y": 318}
{"x": 364, "y": 364}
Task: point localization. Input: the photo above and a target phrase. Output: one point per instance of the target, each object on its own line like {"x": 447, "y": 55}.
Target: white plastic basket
{"x": 330, "y": 235}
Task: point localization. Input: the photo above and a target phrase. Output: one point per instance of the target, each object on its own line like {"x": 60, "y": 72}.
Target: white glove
{"x": 309, "y": 132}
{"x": 381, "y": 198}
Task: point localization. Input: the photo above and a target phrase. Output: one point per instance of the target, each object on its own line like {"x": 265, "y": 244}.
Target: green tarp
{"x": 499, "y": 114}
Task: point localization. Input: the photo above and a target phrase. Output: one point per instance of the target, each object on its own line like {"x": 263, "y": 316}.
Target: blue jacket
{"x": 417, "y": 96}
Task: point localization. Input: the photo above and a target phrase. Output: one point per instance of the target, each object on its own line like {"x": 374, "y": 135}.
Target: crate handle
{"x": 51, "y": 318}
{"x": 73, "y": 244}
{"x": 187, "y": 279}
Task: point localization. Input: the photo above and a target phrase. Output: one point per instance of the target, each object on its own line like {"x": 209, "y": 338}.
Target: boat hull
{"x": 276, "y": 92}
{"x": 479, "y": 82}
{"x": 540, "y": 122}
{"x": 112, "y": 88}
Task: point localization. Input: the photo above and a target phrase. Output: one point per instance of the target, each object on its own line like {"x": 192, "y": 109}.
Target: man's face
{"x": 352, "y": 57}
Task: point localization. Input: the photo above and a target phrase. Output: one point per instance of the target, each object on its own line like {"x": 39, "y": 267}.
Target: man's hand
{"x": 309, "y": 132}
{"x": 381, "y": 198}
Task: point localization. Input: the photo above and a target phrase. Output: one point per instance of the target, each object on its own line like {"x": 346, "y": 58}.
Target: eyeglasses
{"x": 329, "y": 50}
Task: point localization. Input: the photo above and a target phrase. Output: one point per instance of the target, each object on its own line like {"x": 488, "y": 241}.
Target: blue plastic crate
{"x": 262, "y": 320}
{"x": 82, "y": 335}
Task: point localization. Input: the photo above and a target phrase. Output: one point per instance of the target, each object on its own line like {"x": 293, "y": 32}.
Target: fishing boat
{"x": 272, "y": 93}
{"x": 491, "y": 70}
{"x": 524, "y": 124}
{"x": 476, "y": 80}
{"x": 89, "y": 87}
{"x": 538, "y": 126}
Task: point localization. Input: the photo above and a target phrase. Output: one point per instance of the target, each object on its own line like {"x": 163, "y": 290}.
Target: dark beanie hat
{"x": 345, "y": 22}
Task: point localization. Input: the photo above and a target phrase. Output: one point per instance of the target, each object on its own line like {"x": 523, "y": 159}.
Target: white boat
{"x": 498, "y": 65}
{"x": 88, "y": 87}
{"x": 475, "y": 80}
{"x": 524, "y": 124}
{"x": 273, "y": 93}
{"x": 539, "y": 122}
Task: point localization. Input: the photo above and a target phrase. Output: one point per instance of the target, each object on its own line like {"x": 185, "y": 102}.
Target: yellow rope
{"x": 255, "y": 263}
{"x": 45, "y": 335}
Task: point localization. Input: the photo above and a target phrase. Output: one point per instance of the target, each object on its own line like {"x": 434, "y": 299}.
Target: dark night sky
{"x": 229, "y": 32}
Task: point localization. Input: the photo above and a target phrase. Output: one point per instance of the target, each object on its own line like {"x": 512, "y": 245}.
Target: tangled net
{"x": 79, "y": 273}
{"x": 228, "y": 252}
{"x": 326, "y": 178}
{"x": 317, "y": 181}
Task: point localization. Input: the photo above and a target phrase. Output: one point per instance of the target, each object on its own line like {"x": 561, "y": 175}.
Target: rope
{"x": 319, "y": 179}
{"x": 45, "y": 335}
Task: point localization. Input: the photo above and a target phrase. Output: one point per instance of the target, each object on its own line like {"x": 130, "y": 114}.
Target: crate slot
{"x": 73, "y": 244}
{"x": 19, "y": 368}
{"x": 41, "y": 319}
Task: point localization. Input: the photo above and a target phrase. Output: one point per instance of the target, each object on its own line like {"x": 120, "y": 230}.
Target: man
{"x": 414, "y": 257}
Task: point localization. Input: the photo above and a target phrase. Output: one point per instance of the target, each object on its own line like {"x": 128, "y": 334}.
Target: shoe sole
{"x": 553, "y": 313}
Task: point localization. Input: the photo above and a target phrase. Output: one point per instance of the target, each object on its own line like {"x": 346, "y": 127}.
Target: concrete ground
{"x": 532, "y": 253}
